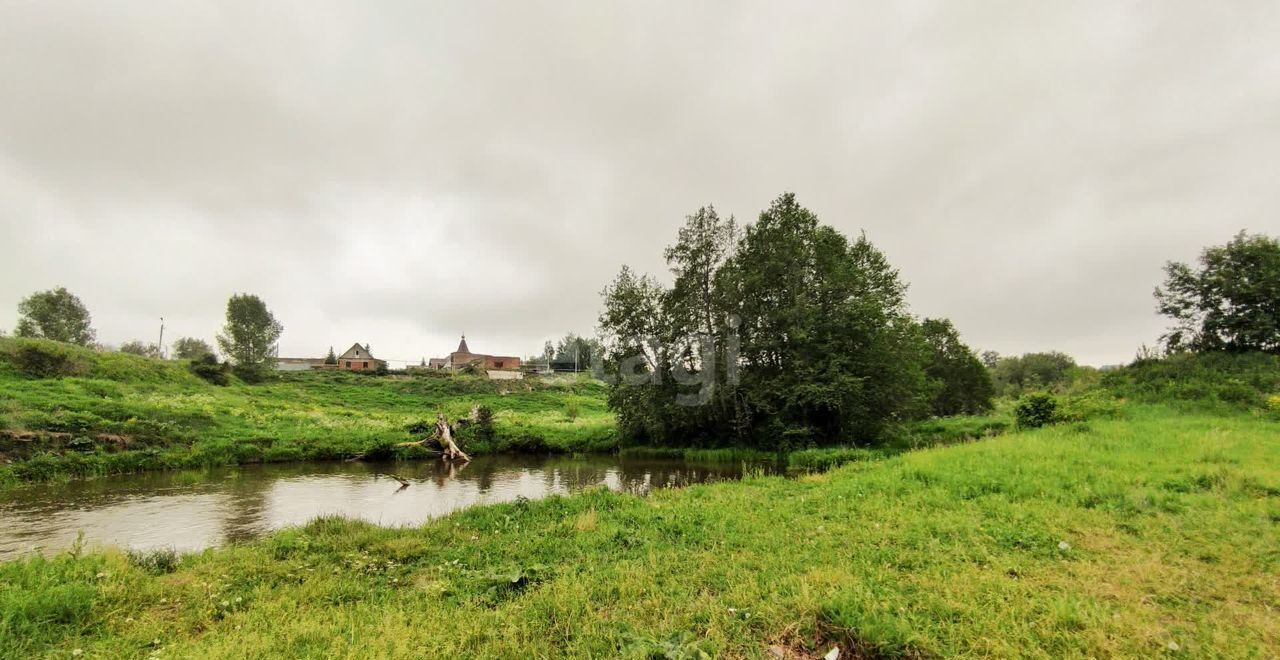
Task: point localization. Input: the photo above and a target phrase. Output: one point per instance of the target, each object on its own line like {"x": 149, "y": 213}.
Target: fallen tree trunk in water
{"x": 444, "y": 436}
{"x": 451, "y": 450}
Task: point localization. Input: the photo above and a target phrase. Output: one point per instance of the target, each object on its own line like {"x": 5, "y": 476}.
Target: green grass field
{"x": 1153, "y": 533}
{"x": 172, "y": 419}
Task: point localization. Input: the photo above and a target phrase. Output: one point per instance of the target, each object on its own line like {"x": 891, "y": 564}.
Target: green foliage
{"x": 1035, "y": 410}
{"x": 574, "y": 349}
{"x": 44, "y": 600}
{"x": 1015, "y": 376}
{"x": 331, "y": 358}
{"x": 140, "y": 349}
{"x": 783, "y": 336}
{"x": 960, "y": 383}
{"x": 249, "y": 337}
{"x": 55, "y": 314}
{"x": 484, "y": 423}
{"x": 1229, "y": 303}
{"x": 47, "y": 359}
{"x": 206, "y": 366}
{"x": 1095, "y": 403}
{"x": 155, "y": 562}
{"x": 1215, "y": 379}
{"x": 190, "y": 348}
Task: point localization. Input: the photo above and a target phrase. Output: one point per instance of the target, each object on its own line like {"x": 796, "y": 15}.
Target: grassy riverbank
{"x": 110, "y": 413}
{"x": 1152, "y": 533}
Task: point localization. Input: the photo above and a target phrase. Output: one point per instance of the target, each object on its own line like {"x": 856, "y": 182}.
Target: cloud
{"x": 399, "y": 173}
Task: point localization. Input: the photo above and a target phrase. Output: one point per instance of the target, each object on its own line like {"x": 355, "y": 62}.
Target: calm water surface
{"x": 195, "y": 510}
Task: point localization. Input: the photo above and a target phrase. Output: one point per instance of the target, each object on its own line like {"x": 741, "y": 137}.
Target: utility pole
{"x": 160, "y": 345}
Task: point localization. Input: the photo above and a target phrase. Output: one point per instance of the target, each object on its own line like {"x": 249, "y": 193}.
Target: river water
{"x": 193, "y": 510}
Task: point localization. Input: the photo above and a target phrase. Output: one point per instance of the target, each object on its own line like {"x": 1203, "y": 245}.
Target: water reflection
{"x": 195, "y": 510}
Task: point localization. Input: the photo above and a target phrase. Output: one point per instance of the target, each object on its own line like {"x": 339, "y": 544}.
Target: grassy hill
{"x": 71, "y": 411}
{"x": 1153, "y": 533}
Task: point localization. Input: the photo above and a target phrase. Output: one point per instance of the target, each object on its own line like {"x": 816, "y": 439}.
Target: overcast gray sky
{"x": 398, "y": 173}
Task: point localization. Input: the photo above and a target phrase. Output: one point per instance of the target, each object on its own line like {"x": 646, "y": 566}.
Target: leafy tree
{"x": 55, "y": 314}
{"x": 704, "y": 244}
{"x": 136, "y": 347}
{"x": 331, "y": 358}
{"x": 582, "y": 351}
{"x": 990, "y": 359}
{"x": 961, "y": 384}
{"x": 813, "y": 342}
{"x": 1033, "y": 371}
{"x": 249, "y": 335}
{"x": 190, "y": 348}
{"x": 1231, "y": 302}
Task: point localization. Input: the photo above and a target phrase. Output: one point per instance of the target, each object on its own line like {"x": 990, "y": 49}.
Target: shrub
{"x": 1087, "y": 405}
{"x": 46, "y": 359}
{"x": 484, "y": 423}
{"x": 156, "y": 562}
{"x": 1035, "y": 410}
{"x": 252, "y": 373}
{"x": 207, "y": 367}
{"x": 1219, "y": 379}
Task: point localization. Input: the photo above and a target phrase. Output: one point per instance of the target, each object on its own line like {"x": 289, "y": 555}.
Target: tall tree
{"x": 250, "y": 333}
{"x": 190, "y": 348}
{"x": 55, "y": 314}
{"x": 331, "y": 358}
{"x": 582, "y": 351}
{"x": 814, "y": 340}
{"x": 961, "y": 383}
{"x": 632, "y": 316}
{"x": 703, "y": 245}
{"x": 1231, "y": 302}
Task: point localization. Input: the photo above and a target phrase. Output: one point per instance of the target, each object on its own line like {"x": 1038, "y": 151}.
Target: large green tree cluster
{"x": 781, "y": 334}
{"x": 1031, "y": 372}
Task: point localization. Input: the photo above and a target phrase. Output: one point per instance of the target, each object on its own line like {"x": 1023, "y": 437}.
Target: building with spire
{"x": 464, "y": 357}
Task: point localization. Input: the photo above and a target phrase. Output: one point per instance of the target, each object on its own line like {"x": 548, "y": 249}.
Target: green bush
{"x": 252, "y": 373}
{"x": 156, "y": 562}
{"x": 1219, "y": 379}
{"x": 208, "y": 368}
{"x": 48, "y": 359}
{"x": 1087, "y": 405}
{"x": 1035, "y": 410}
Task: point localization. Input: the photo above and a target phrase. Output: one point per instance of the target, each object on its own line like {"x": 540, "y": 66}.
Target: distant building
{"x": 358, "y": 358}
{"x": 463, "y": 357}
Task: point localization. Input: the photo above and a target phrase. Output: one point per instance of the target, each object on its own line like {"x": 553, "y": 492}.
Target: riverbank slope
{"x": 68, "y": 411}
{"x": 1151, "y": 533}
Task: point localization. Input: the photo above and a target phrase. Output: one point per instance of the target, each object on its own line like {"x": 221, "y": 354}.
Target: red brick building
{"x": 358, "y": 358}
{"x": 463, "y": 357}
